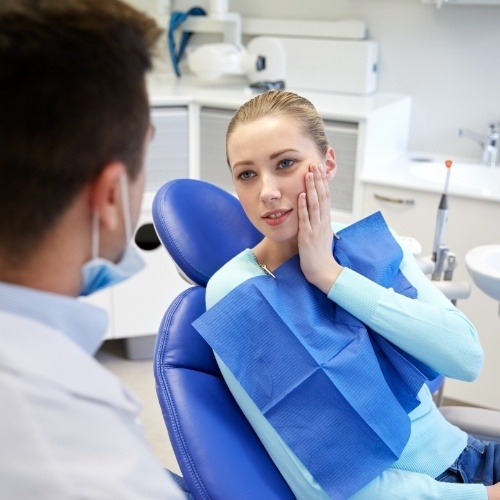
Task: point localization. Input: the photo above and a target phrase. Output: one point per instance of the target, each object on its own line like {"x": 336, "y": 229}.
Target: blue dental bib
{"x": 335, "y": 391}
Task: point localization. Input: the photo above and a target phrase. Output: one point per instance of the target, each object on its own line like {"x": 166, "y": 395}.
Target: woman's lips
{"x": 277, "y": 217}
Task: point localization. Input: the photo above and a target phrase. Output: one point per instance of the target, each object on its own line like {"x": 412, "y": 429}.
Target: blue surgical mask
{"x": 99, "y": 273}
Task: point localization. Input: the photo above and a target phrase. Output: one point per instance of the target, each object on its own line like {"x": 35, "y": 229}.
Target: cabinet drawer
{"x": 343, "y": 137}
{"x": 213, "y": 165}
{"x": 409, "y": 213}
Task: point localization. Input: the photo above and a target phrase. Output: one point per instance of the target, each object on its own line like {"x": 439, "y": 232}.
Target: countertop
{"x": 165, "y": 90}
{"x": 468, "y": 178}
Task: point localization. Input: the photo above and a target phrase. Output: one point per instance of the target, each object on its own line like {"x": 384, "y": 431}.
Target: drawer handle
{"x": 399, "y": 201}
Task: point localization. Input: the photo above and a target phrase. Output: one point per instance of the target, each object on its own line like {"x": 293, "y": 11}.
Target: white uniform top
{"x": 68, "y": 427}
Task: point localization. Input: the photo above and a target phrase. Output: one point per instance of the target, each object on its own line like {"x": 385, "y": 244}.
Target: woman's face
{"x": 269, "y": 159}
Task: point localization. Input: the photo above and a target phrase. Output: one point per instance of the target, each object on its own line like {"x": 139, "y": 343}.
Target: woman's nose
{"x": 269, "y": 190}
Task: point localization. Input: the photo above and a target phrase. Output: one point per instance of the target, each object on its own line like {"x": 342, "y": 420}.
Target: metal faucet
{"x": 488, "y": 142}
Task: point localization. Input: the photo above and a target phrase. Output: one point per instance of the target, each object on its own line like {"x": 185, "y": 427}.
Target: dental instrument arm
{"x": 439, "y": 251}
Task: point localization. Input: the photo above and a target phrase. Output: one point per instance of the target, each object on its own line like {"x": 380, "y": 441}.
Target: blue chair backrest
{"x": 218, "y": 452}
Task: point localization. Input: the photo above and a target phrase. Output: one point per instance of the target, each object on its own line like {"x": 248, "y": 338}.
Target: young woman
{"x": 281, "y": 165}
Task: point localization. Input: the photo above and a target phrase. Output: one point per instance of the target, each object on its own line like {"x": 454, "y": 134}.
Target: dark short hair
{"x": 72, "y": 99}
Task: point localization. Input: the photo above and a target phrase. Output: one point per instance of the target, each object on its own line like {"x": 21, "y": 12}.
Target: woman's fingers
{"x": 304, "y": 222}
{"x": 318, "y": 194}
{"x": 314, "y": 204}
{"x": 312, "y": 194}
{"x": 323, "y": 189}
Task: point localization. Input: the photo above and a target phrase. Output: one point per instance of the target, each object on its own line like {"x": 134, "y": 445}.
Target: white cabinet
{"x": 343, "y": 137}
{"x": 167, "y": 156}
{"x": 213, "y": 166}
{"x": 471, "y": 223}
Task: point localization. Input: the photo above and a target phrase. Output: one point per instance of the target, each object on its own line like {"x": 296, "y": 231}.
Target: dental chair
{"x": 202, "y": 227}
{"x": 218, "y": 452}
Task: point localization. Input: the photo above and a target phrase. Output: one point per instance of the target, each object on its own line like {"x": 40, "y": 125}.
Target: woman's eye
{"x": 286, "y": 163}
{"x": 246, "y": 175}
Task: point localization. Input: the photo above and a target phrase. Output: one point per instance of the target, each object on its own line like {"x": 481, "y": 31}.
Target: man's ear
{"x": 106, "y": 195}
{"x": 331, "y": 164}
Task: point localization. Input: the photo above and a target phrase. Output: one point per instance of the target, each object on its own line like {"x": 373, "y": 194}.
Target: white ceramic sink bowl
{"x": 462, "y": 175}
{"x": 483, "y": 264}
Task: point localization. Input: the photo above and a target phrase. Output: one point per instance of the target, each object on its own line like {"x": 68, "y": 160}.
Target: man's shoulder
{"x": 21, "y": 335}
{"x": 43, "y": 355}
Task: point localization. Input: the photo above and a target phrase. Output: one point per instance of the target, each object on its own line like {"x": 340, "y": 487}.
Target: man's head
{"x": 72, "y": 101}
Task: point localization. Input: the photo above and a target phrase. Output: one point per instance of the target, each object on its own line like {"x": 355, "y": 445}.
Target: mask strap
{"x": 95, "y": 235}
{"x": 126, "y": 207}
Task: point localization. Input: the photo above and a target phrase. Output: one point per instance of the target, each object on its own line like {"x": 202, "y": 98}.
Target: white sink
{"x": 483, "y": 264}
{"x": 462, "y": 175}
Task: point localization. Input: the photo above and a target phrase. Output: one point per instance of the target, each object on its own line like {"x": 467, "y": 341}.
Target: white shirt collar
{"x": 81, "y": 322}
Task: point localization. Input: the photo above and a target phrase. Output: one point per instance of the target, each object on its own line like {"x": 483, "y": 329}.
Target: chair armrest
{"x": 482, "y": 423}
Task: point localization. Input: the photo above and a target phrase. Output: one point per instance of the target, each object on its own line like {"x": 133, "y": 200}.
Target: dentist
{"x": 74, "y": 129}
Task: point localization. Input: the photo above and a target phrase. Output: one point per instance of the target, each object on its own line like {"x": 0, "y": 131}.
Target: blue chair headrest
{"x": 184, "y": 209}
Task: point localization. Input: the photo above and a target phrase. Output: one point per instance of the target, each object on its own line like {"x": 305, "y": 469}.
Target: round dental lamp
{"x": 263, "y": 61}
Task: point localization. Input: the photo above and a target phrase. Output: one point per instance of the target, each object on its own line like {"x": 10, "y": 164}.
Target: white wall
{"x": 448, "y": 60}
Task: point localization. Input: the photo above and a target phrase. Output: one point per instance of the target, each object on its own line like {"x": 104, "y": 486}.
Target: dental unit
{"x": 440, "y": 251}
{"x": 262, "y": 61}
{"x": 444, "y": 261}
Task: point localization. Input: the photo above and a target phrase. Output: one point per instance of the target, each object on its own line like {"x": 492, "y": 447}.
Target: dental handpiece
{"x": 442, "y": 214}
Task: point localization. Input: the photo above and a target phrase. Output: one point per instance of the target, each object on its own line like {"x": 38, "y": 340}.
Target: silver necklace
{"x": 263, "y": 266}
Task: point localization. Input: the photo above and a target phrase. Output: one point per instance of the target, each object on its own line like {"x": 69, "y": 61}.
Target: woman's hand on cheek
{"x": 315, "y": 231}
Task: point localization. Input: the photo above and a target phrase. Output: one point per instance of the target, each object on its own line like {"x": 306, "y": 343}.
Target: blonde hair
{"x": 278, "y": 103}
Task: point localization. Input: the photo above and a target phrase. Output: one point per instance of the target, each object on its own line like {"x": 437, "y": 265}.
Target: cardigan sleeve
{"x": 430, "y": 328}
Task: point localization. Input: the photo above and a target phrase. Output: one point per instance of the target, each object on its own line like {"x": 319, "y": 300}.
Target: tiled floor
{"x": 138, "y": 377}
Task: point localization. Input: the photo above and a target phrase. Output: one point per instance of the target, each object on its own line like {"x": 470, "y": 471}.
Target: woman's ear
{"x": 331, "y": 164}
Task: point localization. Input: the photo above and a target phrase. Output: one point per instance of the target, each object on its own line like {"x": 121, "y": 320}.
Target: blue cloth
{"x": 176, "y": 20}
{"x": 479, "y": 463}
{"x": 337, "y": 393}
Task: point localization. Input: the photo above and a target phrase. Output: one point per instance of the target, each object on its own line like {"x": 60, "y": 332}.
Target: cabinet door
{"x": 213, "y": 164}
{"x": 167, "y": 155}
{"x": 341, "y": 135}
{"x": 408, "y": 212}
{"x": 470, "y": 223}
